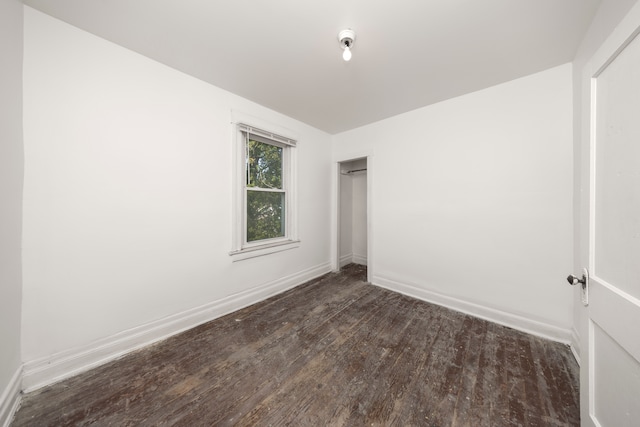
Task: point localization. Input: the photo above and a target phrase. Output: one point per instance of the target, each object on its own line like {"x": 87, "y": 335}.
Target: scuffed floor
{"x": 333, "y": 352}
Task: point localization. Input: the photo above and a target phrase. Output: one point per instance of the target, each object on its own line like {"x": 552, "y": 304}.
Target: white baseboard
{"x": 45, "y": 371}
{"x": 575, "y": 344}
{"x": 346, "y": 259}
{"x": 511, "y": 320}
{"x": 10, "y": 398}
{"x": 360, "y": 259}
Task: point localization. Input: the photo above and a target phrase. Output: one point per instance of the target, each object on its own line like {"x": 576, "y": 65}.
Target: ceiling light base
{"x": 347, "y": 38}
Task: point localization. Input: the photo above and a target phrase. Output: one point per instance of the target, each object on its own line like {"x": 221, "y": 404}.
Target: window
{"x": 265, "y": 196}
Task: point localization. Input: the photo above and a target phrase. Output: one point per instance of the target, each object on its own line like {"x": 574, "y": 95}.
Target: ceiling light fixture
{"x": 347, "y": 38}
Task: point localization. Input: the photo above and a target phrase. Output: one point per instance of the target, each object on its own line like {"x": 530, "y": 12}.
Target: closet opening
{"x": 353, "y": 221}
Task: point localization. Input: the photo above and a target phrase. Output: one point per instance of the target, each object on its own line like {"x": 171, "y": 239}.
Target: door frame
{"x": 335, "y": 244}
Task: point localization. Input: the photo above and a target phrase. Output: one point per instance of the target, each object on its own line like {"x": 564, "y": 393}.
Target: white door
{"x": 610, "y": 368}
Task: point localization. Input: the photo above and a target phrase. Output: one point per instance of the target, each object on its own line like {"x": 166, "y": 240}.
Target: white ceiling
{"x": 284, "y": 54}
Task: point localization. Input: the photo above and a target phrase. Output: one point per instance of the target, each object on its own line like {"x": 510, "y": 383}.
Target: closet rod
{"x": 354, "y": 171}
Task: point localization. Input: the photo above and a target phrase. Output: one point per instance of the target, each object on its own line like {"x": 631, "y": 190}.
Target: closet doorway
{"x": 353, "y": 236}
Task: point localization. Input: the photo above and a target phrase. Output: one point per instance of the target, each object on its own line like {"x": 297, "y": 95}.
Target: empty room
{"x": 340, "y": 213}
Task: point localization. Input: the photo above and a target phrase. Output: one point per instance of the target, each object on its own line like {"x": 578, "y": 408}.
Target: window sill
{"x": 261, "y": 250}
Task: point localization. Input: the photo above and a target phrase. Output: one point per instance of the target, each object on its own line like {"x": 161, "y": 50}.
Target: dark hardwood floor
{"x": 332, "y": 352}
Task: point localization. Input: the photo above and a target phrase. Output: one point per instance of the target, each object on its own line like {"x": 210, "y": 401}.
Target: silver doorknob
{"x": 573, "y": 280}
{"x": 584, "y": 282}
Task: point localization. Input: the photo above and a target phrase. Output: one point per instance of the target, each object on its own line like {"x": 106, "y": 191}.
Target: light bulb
{"x": 346, "y": 55}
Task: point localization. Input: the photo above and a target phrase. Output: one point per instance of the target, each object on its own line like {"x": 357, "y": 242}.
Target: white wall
{"x": 127, "y": 201}
{"x": 11, "y": 180}
{"x": 472, "y": 201}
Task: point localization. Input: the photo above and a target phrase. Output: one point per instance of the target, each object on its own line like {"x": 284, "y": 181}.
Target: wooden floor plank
{"x": 335, "y": 351}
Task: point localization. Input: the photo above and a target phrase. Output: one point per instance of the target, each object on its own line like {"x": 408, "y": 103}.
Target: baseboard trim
{"x": 10, "y": 398}
{"x": 360, "y": 259}
{"x": 45, "y": 371}
{"x": 575, "y": 344}
{"x": 511, "y": 320}
{"x": 346, "y": 259}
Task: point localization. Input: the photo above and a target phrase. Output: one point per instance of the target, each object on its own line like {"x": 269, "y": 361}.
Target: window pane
{"x": 264, "y": 165}
{"x": 265, "y": 215}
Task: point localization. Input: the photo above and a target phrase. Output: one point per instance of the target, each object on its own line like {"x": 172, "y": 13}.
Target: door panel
{"x": 617, "y": 314}
{"x": 617, "y": 172}
{"x": 615, "y": 397}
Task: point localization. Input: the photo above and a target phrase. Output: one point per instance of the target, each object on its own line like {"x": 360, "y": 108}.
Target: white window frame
{"x": 241, "y": 249}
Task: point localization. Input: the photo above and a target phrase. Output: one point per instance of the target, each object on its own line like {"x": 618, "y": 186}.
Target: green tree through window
{"x": 265, "y": 191}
